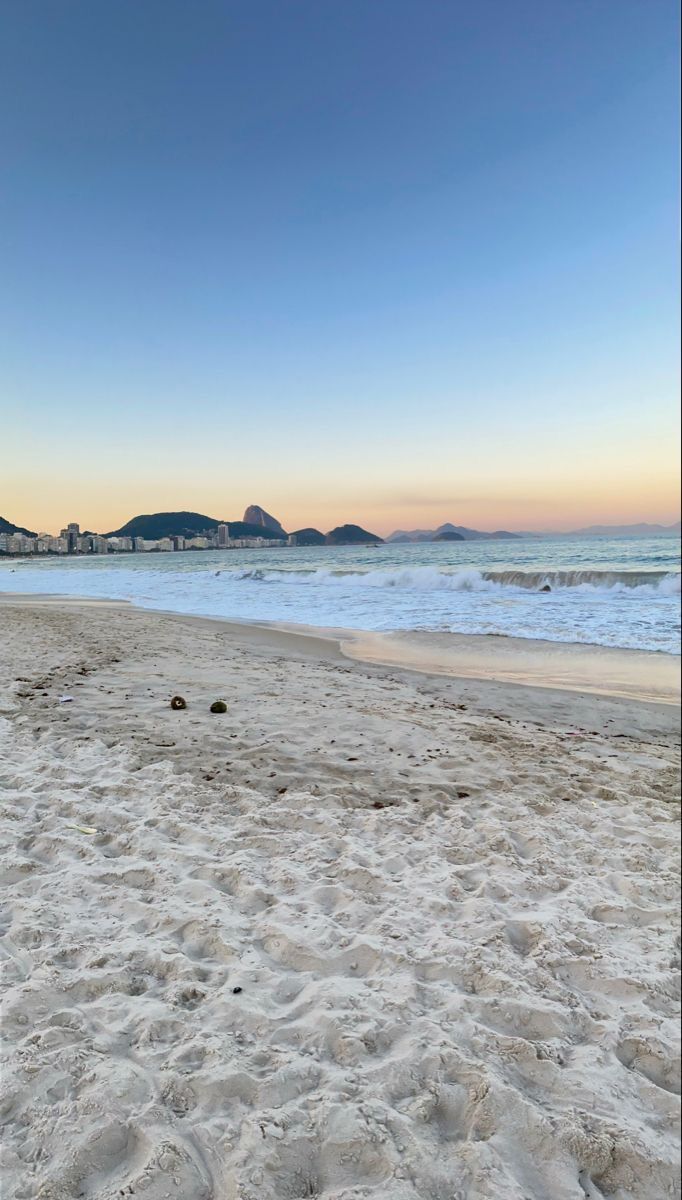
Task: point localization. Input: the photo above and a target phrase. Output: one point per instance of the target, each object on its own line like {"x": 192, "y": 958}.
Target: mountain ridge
{"x": 7, "y": 527}
{"x": 191, "y": 524}
{"x": 188, "y": 524}
{"x": 432, "y": 535}
{"x": 643, "y": 529}
{"x": 166, "y": 524}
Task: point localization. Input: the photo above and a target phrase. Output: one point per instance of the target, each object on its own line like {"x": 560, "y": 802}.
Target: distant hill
{"x": 255, "y": 515}
{"x": 152, "y": 526}
{"x": 309, "y": 537}
{"x": 187, "y": 524}
{"x": 260, "y": 523}
{"x": 626, "y": 530}
{"x": 642, "y": 529}
{"x": 166, "y": 524}
{"x": 434, "y": 535}
{"x": 401, "y": 536}
{"x": 190, "y": 524}
{"x": 8, "y": 527}
{"x": 351, "y": 535}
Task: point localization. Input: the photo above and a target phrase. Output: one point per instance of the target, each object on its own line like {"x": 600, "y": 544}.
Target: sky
{"x": 392, "y": 262}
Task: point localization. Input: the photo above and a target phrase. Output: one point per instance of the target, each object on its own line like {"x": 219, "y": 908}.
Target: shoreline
{"x": 644, "y": 676}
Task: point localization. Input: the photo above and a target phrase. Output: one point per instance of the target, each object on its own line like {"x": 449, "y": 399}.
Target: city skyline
{"x": 397, "y": 265}
{"x": 223, "y": 523}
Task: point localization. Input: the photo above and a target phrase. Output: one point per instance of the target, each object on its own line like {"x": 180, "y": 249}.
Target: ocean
{"x": 606, "y": 591}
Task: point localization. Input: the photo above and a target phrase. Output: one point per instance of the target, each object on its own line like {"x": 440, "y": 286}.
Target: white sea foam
{"x": 430, "y": 579}
{"x": 625, "y": 594}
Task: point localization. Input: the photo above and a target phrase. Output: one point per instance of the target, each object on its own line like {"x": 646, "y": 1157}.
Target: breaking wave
{"x": 430, "y": 579}
{"x": 629, "y": 599}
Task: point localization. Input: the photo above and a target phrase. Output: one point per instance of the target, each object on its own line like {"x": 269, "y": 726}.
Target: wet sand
{"x": 638, "y": 675}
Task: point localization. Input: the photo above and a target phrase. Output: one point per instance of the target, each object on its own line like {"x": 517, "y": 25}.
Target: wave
{"x": 429, "y": 579}
{"x": 668, "y": 583}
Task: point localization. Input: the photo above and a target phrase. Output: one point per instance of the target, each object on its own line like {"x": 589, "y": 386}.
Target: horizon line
{"x": 546, "y": 531}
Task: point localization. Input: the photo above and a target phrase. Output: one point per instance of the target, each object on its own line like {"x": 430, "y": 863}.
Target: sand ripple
{"x": 214, "y": 992}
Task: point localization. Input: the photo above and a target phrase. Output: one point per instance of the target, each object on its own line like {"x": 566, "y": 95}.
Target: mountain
{"x": 308, "y": 537}
{"x": 255, "y": 515}
{"x": 637, "y": 530}
{"x": 8, "y": 527}
{"x": 351, "y": 535}
{"x": 448, "y": 535}
{"x": 414, "y": 535}
{"x": 626, "y": 530}
{"x": 166, "y": 524}
{"x": 188, "y": 525}
{"x": 472, "y": 535}
{"x": 191, "y": 524}
{"x": 433, "y": 535}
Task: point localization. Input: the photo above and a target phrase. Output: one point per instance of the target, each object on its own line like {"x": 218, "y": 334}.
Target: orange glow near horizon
{"x": 654, "y": 500}
{"x": 541, "y": 479}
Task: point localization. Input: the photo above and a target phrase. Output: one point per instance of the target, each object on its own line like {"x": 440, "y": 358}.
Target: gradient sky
{"x": 387, "y": 261}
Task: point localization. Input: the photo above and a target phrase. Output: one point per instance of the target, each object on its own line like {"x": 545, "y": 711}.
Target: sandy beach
{"x": 386, "y": 929}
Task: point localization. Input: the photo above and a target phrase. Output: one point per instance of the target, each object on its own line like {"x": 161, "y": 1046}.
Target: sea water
{"x": 606, "y": 591}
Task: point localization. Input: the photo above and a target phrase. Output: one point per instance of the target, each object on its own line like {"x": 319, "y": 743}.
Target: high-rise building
{"x": 72, "y": 534}
{"x": 223, "y": 536}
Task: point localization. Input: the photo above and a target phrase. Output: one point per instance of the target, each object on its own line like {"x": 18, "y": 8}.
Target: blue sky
{"x": 396, "y": 263}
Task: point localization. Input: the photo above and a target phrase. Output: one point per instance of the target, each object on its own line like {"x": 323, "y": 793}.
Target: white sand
{"x": 471, "y": 991}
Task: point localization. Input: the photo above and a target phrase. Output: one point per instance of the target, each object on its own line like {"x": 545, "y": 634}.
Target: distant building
{"x": 178, "y": 543}
{"x": 72, "y": 534}
{"x": 19, "y": 543}
{"x": 253, "y": 543}
{"x": 223, "y": 536}
{"x": 165, "y": 544}
{"x": 121, "y": 543}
